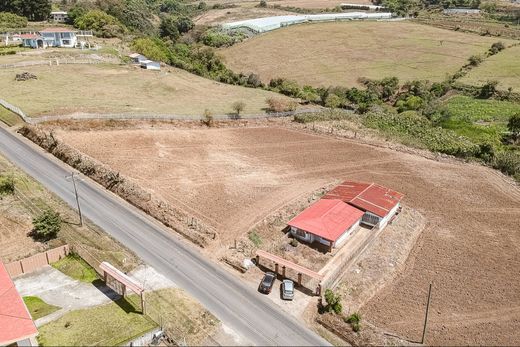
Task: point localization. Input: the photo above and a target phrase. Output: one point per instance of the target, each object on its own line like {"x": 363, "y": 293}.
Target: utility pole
{"x": 77, "y": 198}
{"x": 426, "y": 316}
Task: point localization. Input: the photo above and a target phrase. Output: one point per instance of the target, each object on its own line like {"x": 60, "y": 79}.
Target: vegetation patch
{"x": 74, "y": 266}
{"x": 38, "y": 308}
{"x": 107, "y": 325}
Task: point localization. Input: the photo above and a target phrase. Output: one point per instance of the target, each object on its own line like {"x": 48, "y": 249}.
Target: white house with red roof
{"x": 378, "y": 203}
{"x": 51, "y": 37}
{"x": 16, "y": 325}
{"x": 328, "y": 221}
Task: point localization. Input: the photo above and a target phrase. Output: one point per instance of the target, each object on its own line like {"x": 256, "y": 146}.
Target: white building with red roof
{"x": 378, "y": 203}
{"x": 51, "y": 37}
{"x": 328, "y": 221}
{"x": 16, "y": 324}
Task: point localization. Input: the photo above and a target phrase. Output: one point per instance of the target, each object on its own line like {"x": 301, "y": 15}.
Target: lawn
{"x": 9, "y": 117}
{"x": 75, "y": 267}
{"x": 38, "y": 308}
{"x": 327, "y": 54}
{"x": 124, "y": 89}
{"x": 106, "y": 325}
{"x": 503, "y": 67}
{"x": 482, "y": 121}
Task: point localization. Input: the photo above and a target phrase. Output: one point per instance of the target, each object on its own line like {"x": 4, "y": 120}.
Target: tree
{"x": 47, "y": 225}
{"x": 238, "y": 107}
{"x": 488, "y": 90}
{"x": 333, "y": 302}
{"x": 514, "y": 126}
{"x": 34, "y": 10}
{"x": 475, "y": 60}
{"x": 332, "y": 101}
{"x": 262, "y": 3}
{"x": 496, "y": 47}
{"x": 168, "y": 28}
{"x": 12, "y": 21}
{"x": 103, "y": 24}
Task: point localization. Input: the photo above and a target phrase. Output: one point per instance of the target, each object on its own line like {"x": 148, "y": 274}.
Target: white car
{"x": 287, "y": 290}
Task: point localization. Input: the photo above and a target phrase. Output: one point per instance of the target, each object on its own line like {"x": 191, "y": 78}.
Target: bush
{"x": 6, "y": 185}
{"x": 508, "y": 162}
{"x": 294, "y": 243}
{"x": 488, "y": 90}
{"x": 238, "y": 107}
{"x": 333, "y": 101}
{"x": 262, "y": 3}
{"x": 281, "y": 105}
{"x": 217, "y": 38}
{"x": 12, "y": 21}
{"x": 475, "y": 60}
{"x": 496, "y": 47}
{"x": 103, "y": 24}
{"x": 353, "y": 318}
{"x": 333, "y": 302}
{"x": 513, "y": 125}
{"x": 208, "y": 118}
{"x": 47, "y": 225}
{"x": 411, "y": 103}
{"x": 286, "y": 87}
{"x": 153, "y": 49}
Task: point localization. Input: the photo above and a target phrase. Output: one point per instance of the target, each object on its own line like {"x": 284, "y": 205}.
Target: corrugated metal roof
{"x": 57, "y": 30}
{"x": 369, "y": 197}
{"x": 15, "y": 321}
{"x": 327, "y": 218}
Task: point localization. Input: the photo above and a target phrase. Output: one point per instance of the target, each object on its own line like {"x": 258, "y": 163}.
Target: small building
{"x": 378, "y": 203}
{"x": 16, "y": 325}
{"x": 33, "y": 41}
{"x": 59, "y": 37}
{"x": 328, "y": 221}
{"x": 59, "y": 16}
{"x": 150, "y": 65}
{"x": 455, "y": 11}
{"x": 137, "y": 58}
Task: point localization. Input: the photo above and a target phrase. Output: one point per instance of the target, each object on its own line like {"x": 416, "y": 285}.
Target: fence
{"x": 36, "y": 261}
{"x": 16, "y": 110}
{"x": 52, "y": 62}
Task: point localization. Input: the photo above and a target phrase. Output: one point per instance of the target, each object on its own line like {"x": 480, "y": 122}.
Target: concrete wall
{"x": 36, "y": 261}
{"x": 346, "y": 234}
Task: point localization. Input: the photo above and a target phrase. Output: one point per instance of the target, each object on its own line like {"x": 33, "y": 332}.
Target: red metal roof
{"x": 29, "y": 36}
{"x": 15, "y": 321}
{"x": 369, "y": 197}
{"x": 57, "y": 30}
{"x": 327, "y": 218}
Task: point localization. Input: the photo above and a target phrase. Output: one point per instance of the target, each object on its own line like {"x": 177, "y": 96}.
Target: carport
{"x": 120, "y": 282}
{"x": 300, "y": 270}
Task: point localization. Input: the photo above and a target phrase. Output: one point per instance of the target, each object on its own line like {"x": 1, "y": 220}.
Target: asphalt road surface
{"x": 249, "y": 313}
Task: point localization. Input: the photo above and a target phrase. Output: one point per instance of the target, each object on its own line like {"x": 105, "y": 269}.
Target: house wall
{"x": 346, "y": 234}
{"x": 389, "y": 216}
{"x": 370, "y": 219}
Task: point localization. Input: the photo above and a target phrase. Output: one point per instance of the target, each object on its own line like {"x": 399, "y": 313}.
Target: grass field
{"x": 339, "y": 53}
{"x": 107, "y": 325}
{"x": 75, "y": 267}
{"x": 38, "y": 308}
{"x": 9, "y": 117}
{"x": 479, "y": 120}
{"x": 123, "y": 89}
{"x": 503, "y": 67}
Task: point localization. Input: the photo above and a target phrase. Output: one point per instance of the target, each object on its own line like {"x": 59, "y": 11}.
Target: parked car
{"x": 287, "y": 290}
{"x": 267, "y": 283}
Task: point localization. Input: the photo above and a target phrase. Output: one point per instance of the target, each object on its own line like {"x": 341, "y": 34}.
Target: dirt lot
{"x": 220, "y": 16}
{"x": 310, "y": 4}
{"x": 232, "y": 177}
{"x": 327, "y": 54}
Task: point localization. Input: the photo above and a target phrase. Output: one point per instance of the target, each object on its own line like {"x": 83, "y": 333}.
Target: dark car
{"x": 267, "y": 283}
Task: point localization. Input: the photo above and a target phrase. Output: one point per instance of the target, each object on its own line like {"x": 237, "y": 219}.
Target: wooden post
{"x": 105, "y": 277}
{"x": 426, "y": 316}
{"x": 318, "y": 290}
{"x": 276, "y": 268}
{"x": 257, "y": 260}
{"x": 124, "y": 290}
{"x": 299, "y": 279}
{"x": 283, "y": 271}
{"x": 143, "y": 304}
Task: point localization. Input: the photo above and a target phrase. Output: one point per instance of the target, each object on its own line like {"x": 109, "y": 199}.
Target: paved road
{"x": 246, "y": 311}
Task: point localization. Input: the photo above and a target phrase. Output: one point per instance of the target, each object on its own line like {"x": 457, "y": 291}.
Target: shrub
{"x": 333, "y": 101}
{"x": 475, "y": 60}
{"x": 262, "y": 3}
{"x": 488, "y": 90}
{"x": 333, "y": 302}
{"x": 496, "y": 47}
{"x": 12, "y": 21}
{"x": 286, "y": 87}
{"x": 253, "y": 80}
{"x": 412, "y": 103}
{"x": 353, "y": 318}
{"x": 152, "y": 48}
{"x": 280, "y": 104}
{"x": 208, "y": 118}
{"x": 6, "y": 185}
{"x": 508, "y": 162}
{"x": 294, "y": 243}
{"x": 47, "y": 225}
{"x": 513, "y": 125}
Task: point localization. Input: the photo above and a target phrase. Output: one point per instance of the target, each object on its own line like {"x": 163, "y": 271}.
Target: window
{"x": 65, "y": 42}
{"x": 301, "y": 233}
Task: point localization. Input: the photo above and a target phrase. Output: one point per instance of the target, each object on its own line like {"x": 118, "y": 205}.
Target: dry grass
{"x": 310, "y": 4}
{"x": 339, "y": 53}
{"x": 123, "y": 89}
{"x": 220, "y": 16}
{"x": 503, "y": 67}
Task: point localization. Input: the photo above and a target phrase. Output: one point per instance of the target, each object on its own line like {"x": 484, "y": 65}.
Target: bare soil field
{"x": 325, "y": 54}
{"x": 106, "y": 88}
{"x": 503, "y": 67}
{"x": 226, "y": 15}
{"x": 233, "y": 177}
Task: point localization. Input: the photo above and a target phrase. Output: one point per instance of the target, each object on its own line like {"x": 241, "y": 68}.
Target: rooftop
{"x": 369, "y": 197}
{"x": 16, "y": 323}
{"x": 327, "y": 218}
{"x": 57, "y": 30}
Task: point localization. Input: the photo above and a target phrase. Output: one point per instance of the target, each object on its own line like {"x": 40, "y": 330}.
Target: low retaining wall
{"x": 36, "y": 261}
{"x": 189, "y": 227}
{"x": 15, "y": 109}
